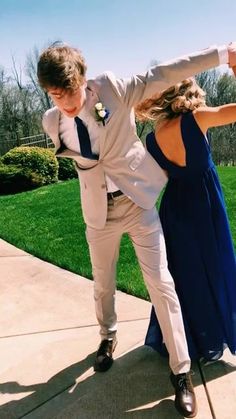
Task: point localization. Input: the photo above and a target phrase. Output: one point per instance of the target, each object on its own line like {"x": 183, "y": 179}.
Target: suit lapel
{"x": 91, "y": 99}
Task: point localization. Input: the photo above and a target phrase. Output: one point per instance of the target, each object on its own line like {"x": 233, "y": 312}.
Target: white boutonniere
{"x": 101, "y": 113}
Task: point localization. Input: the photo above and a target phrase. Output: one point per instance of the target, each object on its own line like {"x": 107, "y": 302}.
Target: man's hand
{"x": 232, "y": 56}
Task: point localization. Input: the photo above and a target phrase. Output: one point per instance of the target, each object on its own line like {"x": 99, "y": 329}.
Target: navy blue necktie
{"x": 84, "y": 140}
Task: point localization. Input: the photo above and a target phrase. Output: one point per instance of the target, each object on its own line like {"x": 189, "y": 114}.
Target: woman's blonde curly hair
{"x": 183, "y": 97}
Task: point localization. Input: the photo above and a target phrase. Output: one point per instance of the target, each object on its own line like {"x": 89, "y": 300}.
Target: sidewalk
{"x": 48, "y": 339}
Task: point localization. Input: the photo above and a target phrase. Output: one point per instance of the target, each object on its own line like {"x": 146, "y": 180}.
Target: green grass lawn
{"x": 48, "y": 223}
{"x": 228, "y": 182}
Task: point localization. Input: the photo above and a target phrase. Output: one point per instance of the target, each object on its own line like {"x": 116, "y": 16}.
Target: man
{"x": 93, "y": 123}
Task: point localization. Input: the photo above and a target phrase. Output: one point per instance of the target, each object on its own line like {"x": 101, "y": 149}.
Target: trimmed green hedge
{"x": 17, "y": 179}
{"x": 24, "y": 168}
{"x": 37, "y": 159}
{"x": 67, "y": 168}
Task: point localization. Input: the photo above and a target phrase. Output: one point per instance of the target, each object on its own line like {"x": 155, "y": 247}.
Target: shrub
{"x": 39, "y": 164}
{"x": 66, "y": 169}
{"x": 17, "y": 179}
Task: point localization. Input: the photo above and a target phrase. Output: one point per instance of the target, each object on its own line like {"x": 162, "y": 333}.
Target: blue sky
{"x": 119, "y": 35}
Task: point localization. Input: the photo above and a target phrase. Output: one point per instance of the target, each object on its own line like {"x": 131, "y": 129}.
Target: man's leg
{"x": 104, "y": 251}
{"x": 147, "y": 236}
{"x": 148, "y": 240}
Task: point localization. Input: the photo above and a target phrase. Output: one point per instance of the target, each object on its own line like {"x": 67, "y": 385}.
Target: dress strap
{"x": 198, "y": 154}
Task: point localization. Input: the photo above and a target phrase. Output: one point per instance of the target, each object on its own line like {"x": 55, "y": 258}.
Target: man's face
{"x": 69, "y": 102}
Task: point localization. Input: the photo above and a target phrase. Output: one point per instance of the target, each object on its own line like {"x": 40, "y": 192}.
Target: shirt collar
{"x": 91, "y": 98}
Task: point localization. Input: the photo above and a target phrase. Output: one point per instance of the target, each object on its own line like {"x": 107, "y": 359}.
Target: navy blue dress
{"x": 199, "y": 246}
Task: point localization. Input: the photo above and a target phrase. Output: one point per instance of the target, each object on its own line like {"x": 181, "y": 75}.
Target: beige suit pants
{"x": 145, "y": 231}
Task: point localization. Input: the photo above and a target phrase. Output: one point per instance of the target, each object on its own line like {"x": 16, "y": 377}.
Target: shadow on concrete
{"x": 136, "y": 387}
{"x": 216, "y": 369}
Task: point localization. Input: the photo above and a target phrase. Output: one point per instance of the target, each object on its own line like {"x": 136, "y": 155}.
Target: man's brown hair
{"x": 61, "y": 66}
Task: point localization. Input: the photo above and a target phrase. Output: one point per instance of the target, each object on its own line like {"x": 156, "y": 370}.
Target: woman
{"x": 200, "y": 251}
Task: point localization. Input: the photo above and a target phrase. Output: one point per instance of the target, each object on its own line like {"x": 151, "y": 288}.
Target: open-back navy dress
{"x": 199, "y": 246}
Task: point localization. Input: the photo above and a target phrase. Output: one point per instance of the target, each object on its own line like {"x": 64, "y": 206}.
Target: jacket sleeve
{"x": 158, "y": 78}
{"x": 50, "y": 123}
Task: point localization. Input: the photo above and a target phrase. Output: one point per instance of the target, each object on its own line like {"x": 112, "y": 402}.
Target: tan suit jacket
{"x": 122, "y": 155}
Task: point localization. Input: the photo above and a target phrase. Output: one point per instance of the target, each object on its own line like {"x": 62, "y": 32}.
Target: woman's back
{"x": 183, "y": 147}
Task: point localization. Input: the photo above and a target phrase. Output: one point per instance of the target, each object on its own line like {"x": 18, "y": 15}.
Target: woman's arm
{"x": 207, "y": 117}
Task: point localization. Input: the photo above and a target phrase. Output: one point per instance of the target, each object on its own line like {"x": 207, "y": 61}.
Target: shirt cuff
{"x": 223, "y": 54}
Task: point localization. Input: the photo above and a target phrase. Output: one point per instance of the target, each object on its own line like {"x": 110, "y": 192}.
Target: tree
{"x": 220, "y": 89}
{"x": 31, "y": 72}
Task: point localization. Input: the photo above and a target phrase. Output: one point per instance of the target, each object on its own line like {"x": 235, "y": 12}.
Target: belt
{"x": 111, "y": 195}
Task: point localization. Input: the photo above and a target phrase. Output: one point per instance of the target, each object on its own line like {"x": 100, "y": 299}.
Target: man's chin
{"x": 70, "y": 114}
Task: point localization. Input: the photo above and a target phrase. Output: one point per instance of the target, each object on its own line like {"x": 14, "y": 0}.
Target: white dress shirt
{"x": 69, "y": 136}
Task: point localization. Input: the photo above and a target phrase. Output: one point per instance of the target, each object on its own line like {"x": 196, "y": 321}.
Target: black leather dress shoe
{"x": 185, "y": 400}
{"x": 104, "y": 360}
